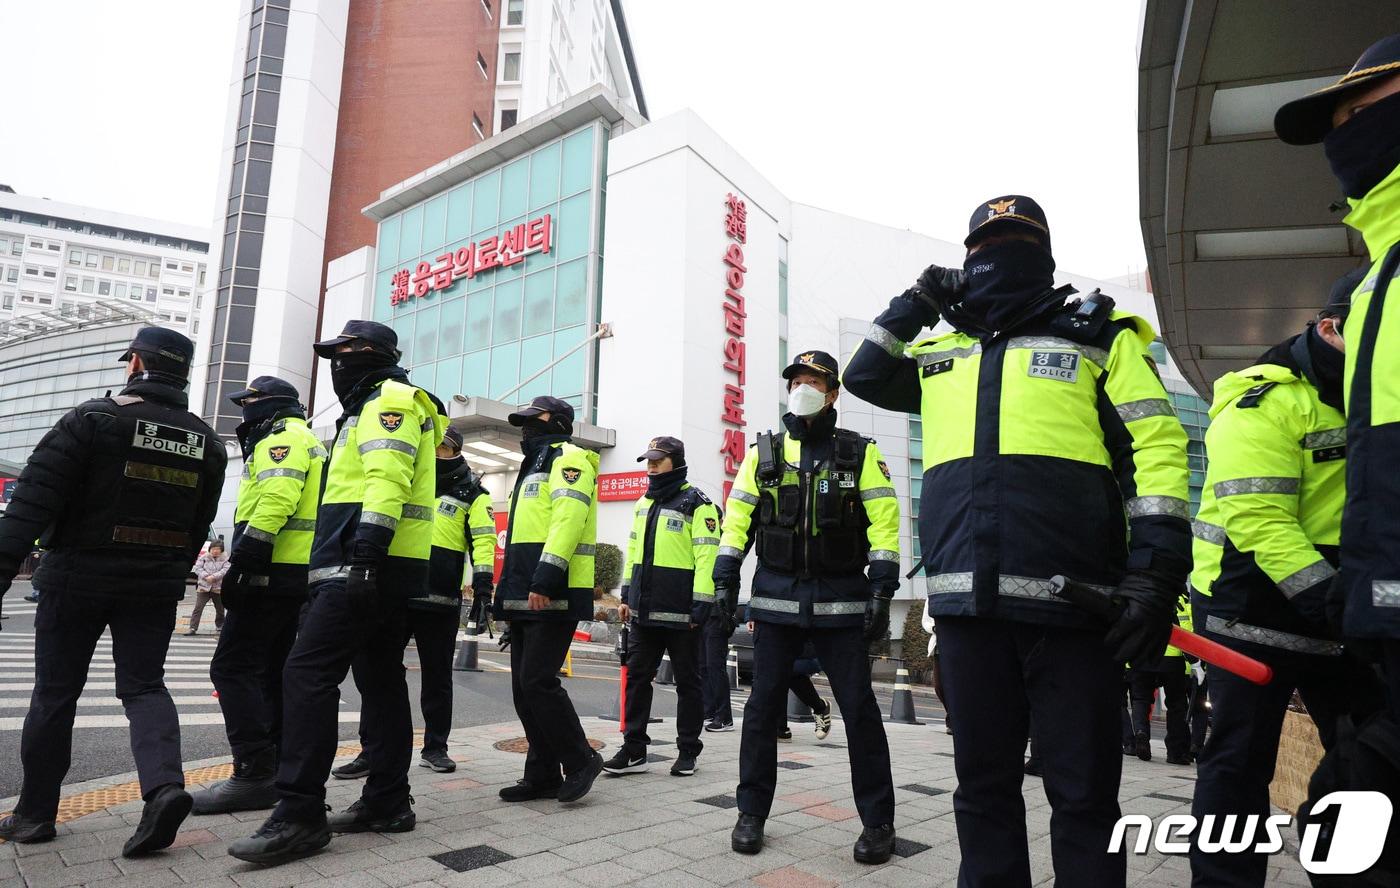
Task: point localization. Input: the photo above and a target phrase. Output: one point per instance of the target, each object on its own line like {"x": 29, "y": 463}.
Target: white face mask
{"x": 805, "y": 401}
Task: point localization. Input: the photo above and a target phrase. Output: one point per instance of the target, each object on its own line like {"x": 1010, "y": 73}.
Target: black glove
{"x": 877, "y": 616}
{"x": 1312, "y": 605}
{"x": 1144, "y": 624}
{"x": 700, "y": 612}
{"x": 504, "y": 643}
{"x": 943, "y": 286}
{"x": 727, "y": 603}
{"x": 481, "y": 606}
{"x": 362, "y": 587}
{"x": 251, "y": 556}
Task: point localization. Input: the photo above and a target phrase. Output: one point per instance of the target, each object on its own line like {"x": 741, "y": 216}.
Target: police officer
{"x": 1050, "y": 448}
{"x": 274, "y": 523}
{"x": 369, "y": 558}
{"x": 546, "y": 587}
{"x": 1170, "y": 674}
{"x": 122, "y": 492}
{"x": 668, "y": 592}
{"x": 462, "y": 523}
{"x": 818, "y": 504}
{"x": 1266, "y": 550}
{"x": 1357, "y": 120}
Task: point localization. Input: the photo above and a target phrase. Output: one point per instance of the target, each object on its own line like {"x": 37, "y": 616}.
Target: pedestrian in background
{"x": 209, "y": 573}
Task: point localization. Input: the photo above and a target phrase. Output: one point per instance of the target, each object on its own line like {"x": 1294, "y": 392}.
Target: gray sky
{"x": 907, "y": 112}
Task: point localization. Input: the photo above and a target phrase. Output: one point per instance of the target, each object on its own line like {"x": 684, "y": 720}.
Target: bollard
{"x": 733, "y": 668}
{"x": 665, "y": 673}
{"x": 567, "y": 670}
{"x": 466, "y": 653}
{"x": 902, "y": 706}
{"x": 798, "y": 711}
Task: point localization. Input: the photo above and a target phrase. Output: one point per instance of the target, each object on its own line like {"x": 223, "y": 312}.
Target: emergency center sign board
{"x": 621, "y": 486}
{"x": 736, "y": 225}
{"x": 508, "y": 248}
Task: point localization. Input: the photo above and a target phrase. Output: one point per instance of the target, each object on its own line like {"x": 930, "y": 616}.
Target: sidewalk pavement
{"x": 648, "y": 830}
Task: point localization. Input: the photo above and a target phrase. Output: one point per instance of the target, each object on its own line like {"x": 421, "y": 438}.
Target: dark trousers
{"x": 643, "y": 657}
{"x": 1237, "y": 763}
{"x": 247, "y": 671}
{"x": 537, "y": 650}
{"x": 202, "y": 598}
{"x": 67, "y": 626}
{"x": 332, "y": 635}
{"x": 999, "y": 677}
{"x": 714, "y": 669}
{"x": 1143, "y": 685}
{"x": 434, "y": 633}
{"x": 842, "y": 653}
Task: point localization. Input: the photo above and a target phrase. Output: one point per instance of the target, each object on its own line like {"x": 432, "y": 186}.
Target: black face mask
{"x": 535, "y": 428}
{"x": 349, "y": 369}
{"x": 1366, "y": 148}
{"x": 449, "y": 472}
{"x": 1329, "y": 366}
{"x": 663, "y": 485}
{"x": 263, "y": 409}
{"x": 1002, "y": 281}
{"x": 449, "y": 465}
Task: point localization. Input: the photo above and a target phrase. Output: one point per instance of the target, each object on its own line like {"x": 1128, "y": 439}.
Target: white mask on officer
{"x": 806, "y": 400}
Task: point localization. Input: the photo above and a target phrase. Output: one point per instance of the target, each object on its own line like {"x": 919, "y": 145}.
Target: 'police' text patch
{"x": 1063, "y": 366}
{"x": 168, "y": 439}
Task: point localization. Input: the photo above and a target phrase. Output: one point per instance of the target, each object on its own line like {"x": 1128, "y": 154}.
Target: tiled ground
{"x": 648, "y": 830}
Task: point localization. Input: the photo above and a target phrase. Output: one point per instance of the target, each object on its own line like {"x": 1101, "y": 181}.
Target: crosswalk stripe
{"x": 190, "y": 700}
{"x": 108, "y": 685}
{"x": 180, "y": 659}
{"x": 119, "y": 721}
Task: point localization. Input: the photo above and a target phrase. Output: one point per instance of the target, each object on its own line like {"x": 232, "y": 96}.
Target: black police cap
{"x": 453, "y": 439}
{"x": 376, "y": 334}
{"x": 1307, "y": 120}
{"x": 814, "y": 362}
{"x": 1339, "y": 300}
{"x": 266, "y": 387}
{"x": 1008, "y": 211}
{"x": 542, "y": 404}
{"x": 159, "y": 342}
{"x": 662, "y": 447}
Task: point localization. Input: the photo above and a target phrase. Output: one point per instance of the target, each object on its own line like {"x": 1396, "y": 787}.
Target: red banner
{"x": 502, "y": 521}
{"x": 622, "y": 486}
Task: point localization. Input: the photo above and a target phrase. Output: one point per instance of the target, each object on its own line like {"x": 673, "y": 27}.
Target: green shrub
{"x": 607, "y": 569}
{"x": 916, "y": 657}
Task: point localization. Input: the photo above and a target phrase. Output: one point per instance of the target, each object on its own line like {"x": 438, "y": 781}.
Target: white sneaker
{"x": 822, "y": 722}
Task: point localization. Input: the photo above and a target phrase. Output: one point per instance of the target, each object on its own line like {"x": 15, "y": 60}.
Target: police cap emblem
{"x": 391, "y": 421}
{"x": 278, "y": 453}
{"x": 572, "y": 475}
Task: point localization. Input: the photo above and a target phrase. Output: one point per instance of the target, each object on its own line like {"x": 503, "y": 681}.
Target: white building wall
{"x": 299, "y": 196}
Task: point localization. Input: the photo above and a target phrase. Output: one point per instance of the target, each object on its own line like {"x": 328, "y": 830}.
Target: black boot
{"x": 1143, "y": 747}
{"x": 160, "y": 821}
{"x": 279, "y": 841}
{"x": 875, "y": 845}
{"x": 251, "y": 788}
{"x": 15, "y": 828}
{"x": 747, "y": 837}
{"x": 525, "y": 791}
{"x": 360, "y": 817}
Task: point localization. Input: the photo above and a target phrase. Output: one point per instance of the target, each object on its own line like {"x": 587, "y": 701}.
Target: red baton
{"x": 1218, "y": 655}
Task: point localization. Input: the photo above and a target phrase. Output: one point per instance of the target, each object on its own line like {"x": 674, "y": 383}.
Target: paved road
{"x": 100, "y": 746}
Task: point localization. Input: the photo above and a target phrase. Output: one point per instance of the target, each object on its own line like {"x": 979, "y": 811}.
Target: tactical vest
{"x": 662, "y": 584}
{"x": 812, "y": 523}
{"x": 148, "y": 474}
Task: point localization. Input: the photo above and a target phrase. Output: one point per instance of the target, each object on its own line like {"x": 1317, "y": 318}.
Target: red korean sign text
{"x": 622, "y": 486}
{"x": 736, "y": 228}
{"x": 498, "y": 251}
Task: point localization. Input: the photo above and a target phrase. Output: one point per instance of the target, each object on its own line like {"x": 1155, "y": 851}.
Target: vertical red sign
{"x": 502, "y": 521}
{"x": 736, "y": 228}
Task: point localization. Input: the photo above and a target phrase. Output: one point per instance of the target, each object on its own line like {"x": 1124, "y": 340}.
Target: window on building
{"x": 11, "y": 274}
{"x": 36, "y": 244}
{"x": 186, "y": 267}
{"x": 75, "y": 257}
{"x": 124, "y": 265}
{"x": 51, "y": 273}
{"x": 26, "y": 297}
{"x": 54, "y": 247}
{"x": 508, "y": 117}
{"x": 108, "y": 262}
{"x": 510, "y": 67}
{"x": 196, "y": 325}
{"x": 70, "y": 284}
{"x": 120, "y": 290}
{"x": 90, "y": 260}
{"x": 16, "y": 248}
{"x": 481, "y": 66}
{"x": 167, "y": 291}
{"x": 172, "y": 266}
{"x": 476, "y": 127}
{"x": 104, "y": 288}
{"x": 140, "y": 269}
{"x": 201, "y": 275}
{"x": 31, "y": 270}
{"x": 515, "y": 12}
{"x": 8, "y": 301}
{"x": 155, "y": 268}
{"x": 88, "y": 284}
{"x": 150, "y": 294}
{"x": 45, "y": 300}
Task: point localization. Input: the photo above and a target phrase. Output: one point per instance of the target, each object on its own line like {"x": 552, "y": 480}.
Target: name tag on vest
{"x": 168, "y": 439}
{"x": 938, "y": 367}
{"x": 1063, "y": 366}
{"x": 1329, "y": 454}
